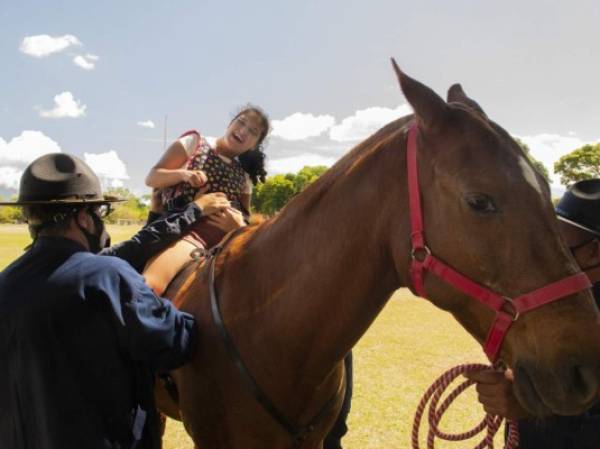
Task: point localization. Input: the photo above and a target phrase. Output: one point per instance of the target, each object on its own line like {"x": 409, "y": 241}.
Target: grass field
{"x": 409, "y": 345}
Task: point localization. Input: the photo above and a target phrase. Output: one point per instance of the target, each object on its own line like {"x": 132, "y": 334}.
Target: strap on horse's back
{"x": 177, "y": 289}
{"x": 182, "y": 281}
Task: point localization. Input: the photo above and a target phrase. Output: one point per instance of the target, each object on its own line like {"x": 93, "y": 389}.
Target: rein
{"x": 507, "y": 309}
{"x": 298, "y": 433}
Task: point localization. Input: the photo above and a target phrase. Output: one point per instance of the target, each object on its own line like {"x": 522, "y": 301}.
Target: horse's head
{"x": 487, "y": 213}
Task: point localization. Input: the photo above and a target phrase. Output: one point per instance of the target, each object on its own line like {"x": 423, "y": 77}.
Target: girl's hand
{"x": 227, "y": 219}
{"x": 196, "y": 178}
{"x": 212, "y": 203}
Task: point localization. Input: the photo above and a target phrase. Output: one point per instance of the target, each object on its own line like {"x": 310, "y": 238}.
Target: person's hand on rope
{"x": 227, "y": 220}
{"x": 195, "y": 178}
{"x": 212, "y": 203}
{"x": 495, "y": 392}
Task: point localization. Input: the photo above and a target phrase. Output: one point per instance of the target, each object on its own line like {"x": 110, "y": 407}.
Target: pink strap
{"x": 414, "y": 198}
{"x": 416, "y": 216}
{"x": 464, "y": 284}
{"x": 192, "y": 132}
{"x": 551, "y": 292}
{"x": 496, "y": 334}
{"x": 189, "y": 133}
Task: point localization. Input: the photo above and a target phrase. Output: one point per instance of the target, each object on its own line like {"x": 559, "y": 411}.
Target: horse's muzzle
{"x": 570, "y": 389}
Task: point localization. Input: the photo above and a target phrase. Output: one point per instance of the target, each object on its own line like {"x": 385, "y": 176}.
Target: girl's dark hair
{"x": 253, "y": 160}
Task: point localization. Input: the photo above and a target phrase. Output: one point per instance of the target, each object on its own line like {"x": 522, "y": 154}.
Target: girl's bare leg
{"x": 162, "y": 268}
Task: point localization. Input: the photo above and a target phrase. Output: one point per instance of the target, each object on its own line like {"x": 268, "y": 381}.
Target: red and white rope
{"x": 490, "y": 424}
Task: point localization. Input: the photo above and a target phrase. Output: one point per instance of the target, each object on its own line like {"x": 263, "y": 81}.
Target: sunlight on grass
{"x": 410, "y": 344}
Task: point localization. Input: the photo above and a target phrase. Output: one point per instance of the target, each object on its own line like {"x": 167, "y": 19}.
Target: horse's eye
{"x": 481, "y": 203}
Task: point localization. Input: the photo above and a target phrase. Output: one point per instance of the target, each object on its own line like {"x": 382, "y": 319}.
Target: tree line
{"x": 269, "y": 197}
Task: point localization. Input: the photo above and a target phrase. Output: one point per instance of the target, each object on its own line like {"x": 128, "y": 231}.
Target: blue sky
{"x": 320, "y": 68}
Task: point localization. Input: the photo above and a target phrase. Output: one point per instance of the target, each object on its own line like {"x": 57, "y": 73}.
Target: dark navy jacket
{"x": 564, "y": 432}
{"x": 80, "y": 335}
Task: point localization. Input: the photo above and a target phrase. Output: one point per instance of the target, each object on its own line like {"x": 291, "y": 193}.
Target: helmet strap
{"x": 96, "y": 242}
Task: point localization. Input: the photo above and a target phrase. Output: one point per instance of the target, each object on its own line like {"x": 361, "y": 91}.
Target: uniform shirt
{"x": 80, "y": 335}
{"x": 155, "y": 236}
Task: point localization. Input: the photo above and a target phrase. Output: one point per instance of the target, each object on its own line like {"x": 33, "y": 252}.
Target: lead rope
{"x": 490, "y": 423}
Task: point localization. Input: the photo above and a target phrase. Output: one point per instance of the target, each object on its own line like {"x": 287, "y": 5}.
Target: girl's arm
{"x": 168, "y": 171}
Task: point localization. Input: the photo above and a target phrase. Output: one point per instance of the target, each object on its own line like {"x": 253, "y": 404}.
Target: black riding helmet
{"x": 580, "y": 205}
{"x": 64, "y": 184}
{"x": 59, "y": 178}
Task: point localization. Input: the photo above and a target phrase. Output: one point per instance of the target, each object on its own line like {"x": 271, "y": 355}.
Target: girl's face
{"x": 243, "y": 133}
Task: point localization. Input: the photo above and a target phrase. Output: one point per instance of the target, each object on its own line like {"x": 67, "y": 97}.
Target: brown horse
{"x": 298, "y": 291}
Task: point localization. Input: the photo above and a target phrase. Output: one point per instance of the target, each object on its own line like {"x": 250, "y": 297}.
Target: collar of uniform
{"x": 58, "y": 244}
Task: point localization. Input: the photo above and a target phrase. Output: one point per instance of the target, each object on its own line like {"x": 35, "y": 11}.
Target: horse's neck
{"x": 320, "y": 272}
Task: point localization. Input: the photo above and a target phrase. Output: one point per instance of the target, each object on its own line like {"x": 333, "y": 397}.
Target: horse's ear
{"x": 430, "y": 109}
{"x": 458, "y": 95}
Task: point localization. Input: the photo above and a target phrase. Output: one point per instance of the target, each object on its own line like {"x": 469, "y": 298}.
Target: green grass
{"x": 13, "y": 238}
{"x": 408, "y": 346}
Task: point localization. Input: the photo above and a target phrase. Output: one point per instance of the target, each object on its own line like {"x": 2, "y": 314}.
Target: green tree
{"x": 10, "y": 214}
{"x": 307, "y": 175}
{"x": 275, "y": 193}
{"x": 133, "y": 208}
{"x": 541, "y": 168}
{"x": 120, "y": 192}
{"x": 582, "y": 163}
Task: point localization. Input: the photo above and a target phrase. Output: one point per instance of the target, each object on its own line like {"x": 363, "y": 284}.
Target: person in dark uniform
{"x": 333, "y": 440}
{"x": 578, "y": 212}
{"x": 82, "y": 334}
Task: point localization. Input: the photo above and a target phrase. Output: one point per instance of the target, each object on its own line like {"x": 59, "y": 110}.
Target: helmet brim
{"x": 578, "y": 225}
{"x": 74, "y": 201}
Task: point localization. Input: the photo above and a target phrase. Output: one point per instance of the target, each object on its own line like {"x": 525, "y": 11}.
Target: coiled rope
{"x": 490, "y": 423}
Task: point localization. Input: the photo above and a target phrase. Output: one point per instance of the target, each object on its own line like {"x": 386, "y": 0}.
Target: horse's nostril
{"x": 584, "y": 382}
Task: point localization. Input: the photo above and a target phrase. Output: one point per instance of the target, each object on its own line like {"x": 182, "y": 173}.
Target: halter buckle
{"x": 422, "y": 249}
{"x": 513, "y": 310}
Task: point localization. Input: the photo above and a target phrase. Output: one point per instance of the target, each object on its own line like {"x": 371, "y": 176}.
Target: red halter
{"x": 503, "y": 320}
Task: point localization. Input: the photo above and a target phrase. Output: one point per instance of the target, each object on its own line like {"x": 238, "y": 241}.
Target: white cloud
{"x": 10, "y": 177}
{"x": 365, "y": 122}
{"x": 548, "y": 148}
{"x": 19, "y": 152}
{"x": 42, "y": 45}
{"x": 23, "y": 149}
{"x": 65, "y": 105}
{"x": 295, "y": 163}
{"x": 116, "y": 183}
{"x": 299, "y": 126}
{"x": 147, "y": 124}
{"x": 87, "y": 62}
{"x": 109, "y": 167}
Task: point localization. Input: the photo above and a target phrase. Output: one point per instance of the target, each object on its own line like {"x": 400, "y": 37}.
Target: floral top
{"x": 223, "y": 176}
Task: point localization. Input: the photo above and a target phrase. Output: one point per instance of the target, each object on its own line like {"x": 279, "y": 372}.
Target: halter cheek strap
{"x": 422, "y": 260}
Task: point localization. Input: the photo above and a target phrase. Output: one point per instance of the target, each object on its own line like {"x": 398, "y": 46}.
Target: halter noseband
{"x": 423, "y": 260}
